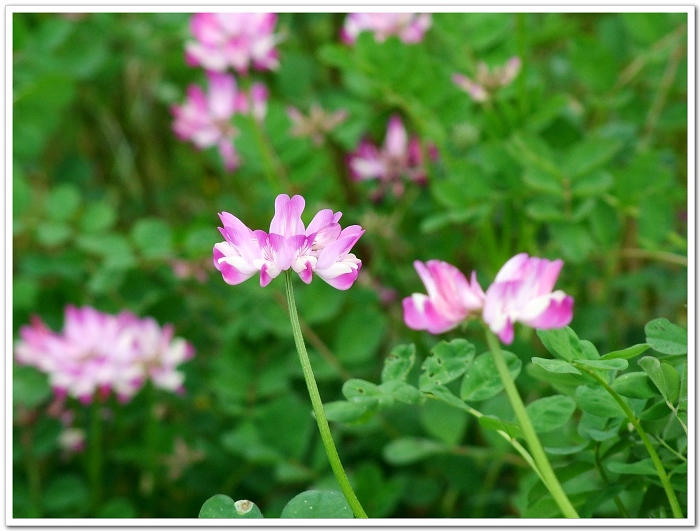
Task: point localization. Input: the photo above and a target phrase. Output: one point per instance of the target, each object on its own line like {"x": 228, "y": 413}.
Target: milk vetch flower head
{"x": 205, "y": 118}
{"x": 317, "y": 124}
{"x": 322, "y": 248}
{"x": 233, "y": 40}
{"x": 399, "y": 157}
{"x": 450, "y": 299}
{"x": 522, "y": 292}
{"x": 488, "y": 81}
{"x": 409, "y": 27}
{"x": 98, "y": 353}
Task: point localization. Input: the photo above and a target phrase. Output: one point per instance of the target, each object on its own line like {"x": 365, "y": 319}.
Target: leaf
{"x": 317, "y": 504}
{"x": 402, "y": 391}
{"x": 665, "y": 337}
{"x": 626, "y": 354}
{"x": 562, "y": 343}
{"x": 589, "y": 155}
{"x": 549, "y": 413}
{"x": 491, "y": 422}
{"x": 363, "y": 393}
{"x": 593, "y": 184}
{"x": 634, "y": 385}
{"x": 117, "y": 508}
{"x": 153, "y": 237}
{"x": 442, "y": 421}
{"x": 62, "y": 202}
{"x": 607, "y": 365}
{"x": 643, "y": 467}
{"x": 542, "y": 181}
{"x": 221, "y": 506}
{"x": 343, "y": 411}
{"x": 566, "y": 450}
{"x": 407, "y": 450}
{"x": 597, "y": 401}
{"x": 399, "y": 362}
{"x": 66, "y": 493}
{"x": 664, "y": 376}
{"x": 556, "y": 366}
{"x": 447, "y": 362}
{"x": 482, "y": 381}
{"x": 98, "y": 217}
{"x": 29, "y": 386}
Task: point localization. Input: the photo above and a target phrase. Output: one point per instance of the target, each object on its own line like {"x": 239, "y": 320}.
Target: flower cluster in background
{"x": 488, "y": 81}
{"x": 224, "y": 41}
{"x": 98, "y": 353}
{"x": 521, "y": 292}
{"x": 317, "y": 124}
{"x": 409, "y": 27}
{"x": 399, "y": 157}
{"x": 321, "y": 248}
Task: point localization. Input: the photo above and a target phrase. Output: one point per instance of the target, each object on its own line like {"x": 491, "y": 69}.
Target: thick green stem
{"x": 665, "y": 481}
{"x": 317, "y": 405}
{"x": 533, "y": 442}
{"x": 95, "y": 454}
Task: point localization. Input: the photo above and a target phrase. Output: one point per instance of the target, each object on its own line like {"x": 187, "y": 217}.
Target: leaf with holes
{"x": 482, "y": 381}
{"x": 398, "y": 364}
{"x": 448, "y": 362}
{"x": 363, "y": 393}
{"x": 403, "y": 392}
{"x": 221, "y": 506}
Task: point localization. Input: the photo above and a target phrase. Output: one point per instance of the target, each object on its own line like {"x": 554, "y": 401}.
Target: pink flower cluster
{"x": 488, "y": 81}
{"x": 102, "y": 353}
{"x": 409, "y": 27}
{"x": 205, "y": 118}
{"x": 398, "y": 157}
{"x": 235, "y": 40}
{"x": 521, "y": 292}
{"x": 321, "y": 248}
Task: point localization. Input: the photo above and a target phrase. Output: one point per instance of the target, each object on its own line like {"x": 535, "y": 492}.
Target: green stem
{"x": 317, "y": 405}
{"x": 32, "y": 468}
{"x": 547, "y": 474}
{"x": 665, "y": 481}
{"x": 95, "y": 453}
{"x": 604, "y": 476}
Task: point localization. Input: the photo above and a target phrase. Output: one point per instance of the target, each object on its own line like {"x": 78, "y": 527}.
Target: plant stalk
{"x": 665, "y": 481}
{"x": 95, "y": 453}
{"x": 533, "y": 442}
{"x": 317, "y": 405}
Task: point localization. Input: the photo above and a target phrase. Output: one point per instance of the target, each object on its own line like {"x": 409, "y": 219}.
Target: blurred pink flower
{"x": 522, "y": 291}
{"x": 488, "y": 81}
{"x": 236, "y": 40}
{"x": 450, "y": 299}
{"x": 317, "y": 125}
{"x": 321, "y": 248}
{"x": 72, "y": 440}
{"x": 258, "y": 101}
{"x": 398, "y": 157}
{"x": 98, "y": 353}
{"x": 409, "y": 27}
{"x": 205, "y": 119}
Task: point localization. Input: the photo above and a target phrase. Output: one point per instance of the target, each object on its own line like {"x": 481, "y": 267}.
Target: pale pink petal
{"x": 396, "y": 141}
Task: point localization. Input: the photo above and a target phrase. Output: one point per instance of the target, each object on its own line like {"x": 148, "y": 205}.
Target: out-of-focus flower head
{"x": 205, "y": 118}
{"x": 488, "y": 81}
{"x": 233, "y": 40}
{"x": 409, "y": 27}
{"x": 450, "y": 299}
{"x": 72, "y": 440}
{"x": 522, "y": 291}
{"x": 317, "y": 124}
{"x": 97, "y": 353}
{"x": 322, "y": 248}
{"x": 398, "y": 157}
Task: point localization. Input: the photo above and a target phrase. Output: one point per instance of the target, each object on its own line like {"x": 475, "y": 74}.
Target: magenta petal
{"x": 287, "y": 218}
{"x": 307, "y": 273}
{"x": 343, "y": 282}
{"x": 232, "y": 275}
{"x": 558, "y": 314}
{"x": 265, "y": 278}
{"x": 507, "y": 333}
